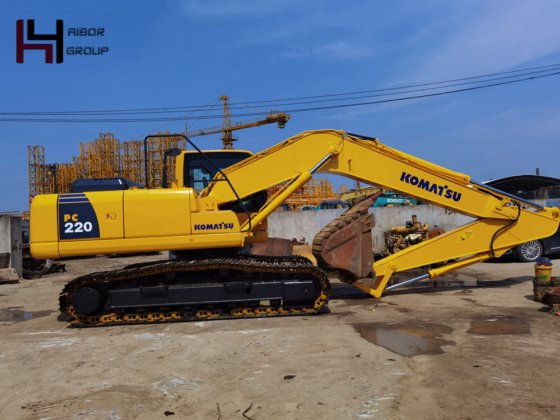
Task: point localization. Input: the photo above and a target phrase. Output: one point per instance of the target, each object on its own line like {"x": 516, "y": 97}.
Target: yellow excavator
{"x": 216, "y": 209}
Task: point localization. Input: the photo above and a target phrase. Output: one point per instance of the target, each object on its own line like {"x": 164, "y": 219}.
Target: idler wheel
{"x": 87, "y": 300}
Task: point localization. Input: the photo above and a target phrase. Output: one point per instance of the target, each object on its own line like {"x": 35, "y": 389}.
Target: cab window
{"x": 198, "y": 172}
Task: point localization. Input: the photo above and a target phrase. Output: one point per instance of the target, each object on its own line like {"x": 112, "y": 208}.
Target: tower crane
{"x": 227, "y": 128}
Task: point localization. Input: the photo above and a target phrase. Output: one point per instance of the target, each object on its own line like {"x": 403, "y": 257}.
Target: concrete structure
{"x": 10, "y": 247}
{"x": 307, "y": 224}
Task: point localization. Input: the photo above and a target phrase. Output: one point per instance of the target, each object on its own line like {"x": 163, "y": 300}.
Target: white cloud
{"x": 435, "y": 38}
{"x": 526, "y": 123}
{"x": 360, "y": 112}
{"x": 516, "y": 140}
{"x": 235, "y": 8}
{"x": 488, "y": 36}
{"x": 332, "y": 50}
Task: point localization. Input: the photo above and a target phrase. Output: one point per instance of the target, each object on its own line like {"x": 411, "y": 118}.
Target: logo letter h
{"x": 21, "y": 46}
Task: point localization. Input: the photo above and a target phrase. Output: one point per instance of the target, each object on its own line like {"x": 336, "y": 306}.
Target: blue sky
{"x": 189, "y": 52}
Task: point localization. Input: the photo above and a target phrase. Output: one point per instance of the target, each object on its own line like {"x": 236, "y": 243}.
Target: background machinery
{"x": 217, "y": 208}
{"x": 413, "y": 232}
{"x": 391, "y": 199}
{"x": 358, "y": 194}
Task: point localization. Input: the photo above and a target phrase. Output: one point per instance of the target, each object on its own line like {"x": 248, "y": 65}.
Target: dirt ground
{"x": 473, "y": 346}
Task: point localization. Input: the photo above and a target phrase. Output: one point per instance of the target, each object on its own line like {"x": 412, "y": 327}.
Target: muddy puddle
{"x": 17, "y": 314}
{"x": 500, "y": 325}
{"x": 450, "y": 280}
{"x": 406, "y": 339}
{"x": 456, "y": 280}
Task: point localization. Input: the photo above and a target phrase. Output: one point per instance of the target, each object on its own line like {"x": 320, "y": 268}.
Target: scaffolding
{"x": 310, "y": 194}
{"x": 37, "y": 171}
{"x": 100, "y": 158}
{"x": 156, "y": 149}
{"x": 105, "y": 157}
{"x": 66, "y": 174}
{"x": 133, "y": 161}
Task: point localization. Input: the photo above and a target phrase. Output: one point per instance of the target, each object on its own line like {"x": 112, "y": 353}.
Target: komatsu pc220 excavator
{"x": 216, "y": 208}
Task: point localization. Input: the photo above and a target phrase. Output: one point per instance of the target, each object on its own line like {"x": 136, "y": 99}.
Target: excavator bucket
{"x": 345, "y": 244}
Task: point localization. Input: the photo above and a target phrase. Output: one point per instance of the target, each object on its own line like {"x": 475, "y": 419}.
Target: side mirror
{"x": 174, "y": 152}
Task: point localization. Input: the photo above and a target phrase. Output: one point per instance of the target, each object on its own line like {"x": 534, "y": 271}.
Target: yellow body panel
{"x": 157, "y": 213}
{"x": 109, "y": 209}
{"x": 207, "y": 222}
{"x": 134, "y": 220}
{"x": 161, "y": 243}
{"x": 43, "y": 225}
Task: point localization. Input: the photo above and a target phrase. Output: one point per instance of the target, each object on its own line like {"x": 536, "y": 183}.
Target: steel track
{"x": 266, "y": 267}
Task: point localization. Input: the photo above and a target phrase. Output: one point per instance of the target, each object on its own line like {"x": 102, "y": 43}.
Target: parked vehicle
{"x": 332, "y": 204}
{"x": 307, "y": 208}
{"x": 529, "y": 187}
{"x": 389, "y": 199}
{"x": 532, "y": 250}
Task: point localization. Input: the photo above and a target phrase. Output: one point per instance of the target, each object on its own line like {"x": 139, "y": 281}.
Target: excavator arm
{"x": 502, "y": 220}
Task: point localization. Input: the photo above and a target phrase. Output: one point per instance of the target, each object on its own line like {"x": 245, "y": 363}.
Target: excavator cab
{"x": 200, "y": 168}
